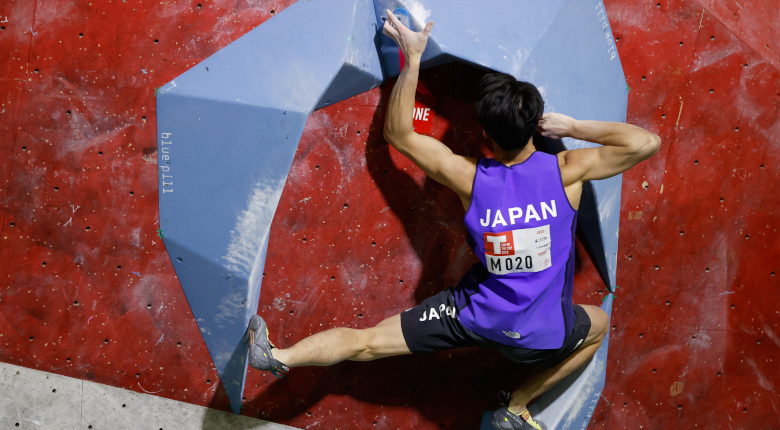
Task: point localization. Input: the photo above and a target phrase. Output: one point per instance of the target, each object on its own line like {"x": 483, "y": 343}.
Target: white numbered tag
{"x": 517, "y": 251}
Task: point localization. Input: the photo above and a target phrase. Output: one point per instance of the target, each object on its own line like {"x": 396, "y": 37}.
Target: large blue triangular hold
{"x": 228, "y": 129}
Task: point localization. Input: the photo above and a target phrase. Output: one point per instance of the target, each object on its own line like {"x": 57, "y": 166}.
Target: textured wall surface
{"x": 88, "y": 291}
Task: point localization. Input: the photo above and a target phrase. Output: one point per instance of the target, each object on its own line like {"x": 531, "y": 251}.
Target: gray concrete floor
{"x": 32, "y": 399}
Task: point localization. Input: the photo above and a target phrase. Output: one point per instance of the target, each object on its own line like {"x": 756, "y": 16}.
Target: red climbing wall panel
{"x": 87, "y": 290}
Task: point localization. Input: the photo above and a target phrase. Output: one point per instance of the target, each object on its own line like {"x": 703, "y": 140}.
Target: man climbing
{"x": 521, "y": 212}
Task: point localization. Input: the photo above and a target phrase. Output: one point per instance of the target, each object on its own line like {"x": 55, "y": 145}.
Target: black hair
{"x": 509, "y": 110}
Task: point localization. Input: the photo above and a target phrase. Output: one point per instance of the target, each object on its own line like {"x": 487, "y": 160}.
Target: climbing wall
{"x": 87, "y": 289}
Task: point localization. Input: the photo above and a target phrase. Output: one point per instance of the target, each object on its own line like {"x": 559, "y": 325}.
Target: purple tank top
{"x": 521, "y": 226}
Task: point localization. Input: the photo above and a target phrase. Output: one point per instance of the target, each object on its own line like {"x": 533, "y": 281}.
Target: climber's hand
{"x": 412, "y": 43}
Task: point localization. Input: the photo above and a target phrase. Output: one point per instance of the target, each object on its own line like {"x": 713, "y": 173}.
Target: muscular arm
{"x": 433, "y": 157}
{"x": 624, "y": 146}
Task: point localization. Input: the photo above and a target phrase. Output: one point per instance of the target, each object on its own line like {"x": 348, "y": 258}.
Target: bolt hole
{"x": 657, "y": 267}
{"x": 762, "y": 166}
{"x": 148, "y": 306}
{"x": 178, "y": 343}
{"x": 712, "y": 90}
{"x": 614, "y": 327}
{"x": 54, "y": 390}
{"x": 719, "y": 374}
{"x": 81, "y": 35}
{"x": 617, "y": 39}
{"x": 76, "y": 303}
{"x": 745, "y": 65}
{"x": 653, "y": 370}
{"x": 732, "y": 306}
{"x": 643, "y": 78}
{"x": 360, "y": 315}
{"x": 13, "y": 224}
{"x": 625, "y": 404}
{"x": 24, "y": 148}
{"x": 208, "y": 381}
{"x": 758, "y": 342}
{"x": 118, "y": 267}
{"x": 401, "y": 281}
{"x": 206, "y": 69}
{"x": 679, "y": 407}
{"x": 291, "y": 312}
{"x": 332, "y": 278}
{"x": 43, "y": 264}
{"x": 707, "y": 269}
{"x": 156, "y": 40}
{"x": 36, "y": 70}
{"x": 87, "y": 228}
{"x": 736, "y": 128}
{"x": 3, "y": 29}
{"x": 178, "y": 259}
{"x": 386, "y": 170}
{"x": 712, "y": 37}
{"x": 31, "y": 338}
{"x": 721, "y": 199}
{"x": 668, "y": 303}
{"x": 681, "y": 44}
{"x": 346, "y": 205}
{"x": 663, "y": 116}
{"x": 67, "y": 112}
{"x": 124, "y": 405}
{"x": 100, "y": 152}
{"x": 630, "y": 257}
{"x": 273, "y": 12}
{"x": 358, "y": 132}
{"x": 199, "y": 6}
{"x": 372, "y": 243}
{"x": 304, "y": 240}
{"x": 696, "y": 162}
{"x": 658, "y": 5}
{"x": 641, "y": 335}
{"x": 682, "y": 232}
{"x": 131, "y": 193}
{"x": 744, "y": 410}
{"x": 137, "y": 375}
{"x": 68, "y": 359}
{"x": 747, "y": 237}
{"x": 105, "y": 341}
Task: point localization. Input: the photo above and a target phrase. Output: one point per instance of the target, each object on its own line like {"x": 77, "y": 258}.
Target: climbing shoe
{"x": 504, "y": 419}
{"x": 260, "y": 347}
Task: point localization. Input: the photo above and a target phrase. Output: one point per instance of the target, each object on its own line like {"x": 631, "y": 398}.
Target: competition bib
{"x": 517, "y": 251}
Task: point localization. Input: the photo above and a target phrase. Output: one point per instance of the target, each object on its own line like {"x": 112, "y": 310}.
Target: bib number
{"x": 518, "y": 251}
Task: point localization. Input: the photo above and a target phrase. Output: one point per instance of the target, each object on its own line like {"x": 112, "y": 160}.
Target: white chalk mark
{"x": 158, "y": 310}
{"x": 156, "y": 222}
{"x": 6, "y": 19}
{"x": 148, "y": 392}
{"x": 384, "y": 209}
{"x": 446, "y": 225}
{"x": 143, "y": 70}
{"x": 75, "y": 209}
{"x": 154, "y": 243}
{"x": 306, "y": 200}
{"x": 161, "y": 338}
{"x": 69, "y": 221}
{"x": 90, "y": 318}
{"x": 33, "y": 32}
{"x": 727, "y": 292}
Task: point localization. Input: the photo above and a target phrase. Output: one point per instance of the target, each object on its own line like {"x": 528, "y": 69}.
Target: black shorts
{"x": 446, "y": 331}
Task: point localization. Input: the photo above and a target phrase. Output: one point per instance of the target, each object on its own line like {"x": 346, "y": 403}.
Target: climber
{"x": 521, "y": 211}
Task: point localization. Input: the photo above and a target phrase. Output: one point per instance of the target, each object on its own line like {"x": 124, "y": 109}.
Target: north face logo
{"x": 512, "y": 334}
